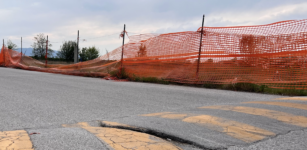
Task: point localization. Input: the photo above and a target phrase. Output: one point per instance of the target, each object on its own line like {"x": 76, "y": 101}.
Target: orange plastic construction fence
{"x": 92, "y": 68}
{"x": 274, "y": 55}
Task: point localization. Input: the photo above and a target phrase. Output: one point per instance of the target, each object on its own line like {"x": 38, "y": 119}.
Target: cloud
{"x": 36, "y": 4}
{"x": 95, "y": 19}
{"x": 253, "y": 17}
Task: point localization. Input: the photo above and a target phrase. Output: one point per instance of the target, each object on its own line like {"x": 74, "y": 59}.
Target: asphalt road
{"x": 52, "y": 107}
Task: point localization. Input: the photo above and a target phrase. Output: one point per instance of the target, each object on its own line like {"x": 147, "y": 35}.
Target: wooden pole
{"x": 3, "y": 53}
{"x": 78, "y": 47}
{"x": 46, "y": 56}
{"x": 21, "y": 46}
{"x": 20, "y": 50}
{"x": 123, "y": 47}
{"x": 201, "y": 40}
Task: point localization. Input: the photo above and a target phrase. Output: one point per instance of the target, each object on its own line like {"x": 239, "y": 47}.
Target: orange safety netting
{"x": 274, "y": 55}
{"x": 92, "y": 68}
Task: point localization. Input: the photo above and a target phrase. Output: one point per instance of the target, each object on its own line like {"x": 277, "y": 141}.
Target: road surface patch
{"x": 283, "y": 104}
{"x": 241, "y": 131}
{"x": 120, "y": 139}
{"x": 277, "y": 115}
{"x": 15, "y": 140}
{"x": 293, "y": 98}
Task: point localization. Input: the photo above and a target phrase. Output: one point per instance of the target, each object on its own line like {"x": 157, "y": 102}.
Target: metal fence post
{"x": 201, "y": 40}
{"x": 123, "y": 47}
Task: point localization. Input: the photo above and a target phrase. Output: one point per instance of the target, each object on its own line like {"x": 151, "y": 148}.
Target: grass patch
{"x": 119, "y": 73}
{"x": 247, "y": 87}
{"x": 122, "y": 74}
{"x": 250, "y": 87}
{"x": 291, "y": 92}
{"x": 149, "y": 79}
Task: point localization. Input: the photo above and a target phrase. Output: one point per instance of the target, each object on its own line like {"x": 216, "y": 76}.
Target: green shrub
{"x": 149, "y": 79}
{"x": 119, "y": 73}
{"x": 250, "y": 87}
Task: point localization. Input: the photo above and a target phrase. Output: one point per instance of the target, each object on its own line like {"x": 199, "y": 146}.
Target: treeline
{"x": 66, "y": 53}
{"x": 49, "y": 58}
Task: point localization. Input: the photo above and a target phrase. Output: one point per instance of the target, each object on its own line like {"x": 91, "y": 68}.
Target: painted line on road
{"x": 293, "y": 98}
{"x": 120, "y": 139}
{"x": 156, "y": 114}
{"x": 244, "y": 132}
{"x": 277, "y": 115}
{"x": 167, "y": 115}
{"x": 241, "y": 131}
{"x": 15, "y": 140}
{"x": 283, "y": 104}
{"x": 109, "y": 123}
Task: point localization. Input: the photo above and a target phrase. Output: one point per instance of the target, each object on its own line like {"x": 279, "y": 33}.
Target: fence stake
{"x": 46, "y": 56}
{"x": 3, "y": 54}
{"x": 78, "y": 47}
{"x": 201, "y": 40}
{"x": 123, "y": 46}
{"x": 107, "y": 55}
{"x": 21, "y": 46}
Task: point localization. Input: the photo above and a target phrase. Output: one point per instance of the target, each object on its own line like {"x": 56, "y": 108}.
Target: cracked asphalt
{"x": 35, "y": 107}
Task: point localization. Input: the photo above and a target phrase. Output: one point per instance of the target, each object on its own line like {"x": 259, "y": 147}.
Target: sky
{"x": 101, "y": 21}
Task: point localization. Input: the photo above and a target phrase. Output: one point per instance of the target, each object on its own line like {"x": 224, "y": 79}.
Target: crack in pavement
{"x": 121, "y": 139}
{"x": 159, "y": 134}
{"x": 277, "y": 135}
{"x": 241, "y": 131}
{"x": 18, "y": 139}
{"x": 269, "y": 143}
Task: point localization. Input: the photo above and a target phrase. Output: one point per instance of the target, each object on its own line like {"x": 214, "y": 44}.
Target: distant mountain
{"x": 28, "y": 51}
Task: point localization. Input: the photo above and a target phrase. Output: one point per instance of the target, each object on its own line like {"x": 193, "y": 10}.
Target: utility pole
{"x": 201, "y": 40}
{"x": 124, "y": 32}
{"x": 46, "y": 56}
{"x": 78, "y": 47}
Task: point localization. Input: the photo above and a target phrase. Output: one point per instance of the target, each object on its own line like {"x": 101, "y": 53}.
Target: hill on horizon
{"x": 28, "y": 51}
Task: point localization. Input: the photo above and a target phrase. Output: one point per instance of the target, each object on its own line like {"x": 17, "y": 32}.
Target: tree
{"x": 82, "y": 54}
{"x": 92, "y": 53}
{"x": 39, "y": 47}
{"x": 67, "y": 50}
{"x": 89, "y": 53}
{"x": 11, "y": 45}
